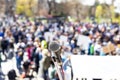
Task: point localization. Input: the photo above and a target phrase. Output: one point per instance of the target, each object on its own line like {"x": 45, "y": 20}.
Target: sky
{"x": 90, "y": 2}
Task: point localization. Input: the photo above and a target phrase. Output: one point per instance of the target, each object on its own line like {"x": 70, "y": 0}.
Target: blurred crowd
{"x": 28, "y": 41}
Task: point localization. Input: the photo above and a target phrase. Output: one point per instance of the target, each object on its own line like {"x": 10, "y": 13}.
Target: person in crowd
{"x": 29, "y": 51}
{"x": 27, "y": 70}
{"x": 19, "y": 61}
{"x": 4, "y": 46}
{"x": 12, "y": 75}
{"x": 45, "y": 64}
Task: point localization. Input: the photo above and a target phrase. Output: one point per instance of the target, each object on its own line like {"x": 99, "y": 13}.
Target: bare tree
{"x": 68, "y": 7}
{"x": 43, "y": 7}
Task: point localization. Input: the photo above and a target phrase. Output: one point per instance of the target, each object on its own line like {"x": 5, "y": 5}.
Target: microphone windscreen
{"x": 54, "y": 46}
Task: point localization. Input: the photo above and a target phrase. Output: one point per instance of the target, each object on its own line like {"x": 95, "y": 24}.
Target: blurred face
{"x": 103, "y": 29}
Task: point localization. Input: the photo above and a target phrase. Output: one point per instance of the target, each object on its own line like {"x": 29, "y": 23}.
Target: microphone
{"x": 56, "y": 49}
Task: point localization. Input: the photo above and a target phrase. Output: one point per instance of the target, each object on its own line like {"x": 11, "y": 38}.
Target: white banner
{"x": 96, "y": 67}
